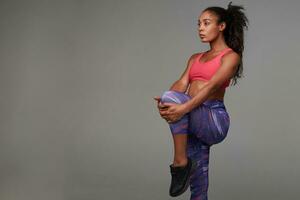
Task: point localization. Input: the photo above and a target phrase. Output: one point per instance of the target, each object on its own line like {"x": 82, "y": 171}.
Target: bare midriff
{"x": 196, "y": 86}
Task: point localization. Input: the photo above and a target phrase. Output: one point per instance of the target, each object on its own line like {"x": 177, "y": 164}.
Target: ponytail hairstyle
{"x": 235, "y": 21}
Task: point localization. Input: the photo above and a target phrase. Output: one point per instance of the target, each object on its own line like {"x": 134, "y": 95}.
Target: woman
{"x": 194, "y": 105}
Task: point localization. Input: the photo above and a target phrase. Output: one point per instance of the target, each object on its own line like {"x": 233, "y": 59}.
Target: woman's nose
{"x": 200, "y": 28}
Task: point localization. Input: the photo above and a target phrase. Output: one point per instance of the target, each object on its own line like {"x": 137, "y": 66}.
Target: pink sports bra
{"x": 205, "y": 70}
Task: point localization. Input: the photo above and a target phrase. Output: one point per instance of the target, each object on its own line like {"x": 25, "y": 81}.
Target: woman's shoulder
{"x": 199, "y": 53}
{"x": 230, "y": 52}
{"x": 196, "y": 55}
{"x": 231, "y": 55}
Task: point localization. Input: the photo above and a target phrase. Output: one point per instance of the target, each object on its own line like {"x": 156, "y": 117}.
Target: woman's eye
{"x": 204, "y": 24}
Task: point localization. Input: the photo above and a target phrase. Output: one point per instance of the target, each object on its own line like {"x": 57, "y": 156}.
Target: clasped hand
{"x": 171, "y": 112}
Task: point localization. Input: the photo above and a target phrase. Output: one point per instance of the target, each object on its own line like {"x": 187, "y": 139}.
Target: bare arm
{"x": 178, "y": 86}
{"x": 182, "y": 83}
{"x": 226, "y": 71}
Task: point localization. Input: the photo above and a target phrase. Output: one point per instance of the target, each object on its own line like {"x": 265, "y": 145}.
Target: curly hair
{"x": 235, "y": 20}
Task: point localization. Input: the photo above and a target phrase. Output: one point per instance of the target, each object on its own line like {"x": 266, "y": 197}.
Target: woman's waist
{"x": 196, "y": 86}
{"x": 214, "y": 103}
{"x": 215, "y": 100}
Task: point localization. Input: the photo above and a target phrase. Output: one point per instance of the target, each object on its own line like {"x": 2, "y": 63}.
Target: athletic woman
{"x": 194, "y": 105}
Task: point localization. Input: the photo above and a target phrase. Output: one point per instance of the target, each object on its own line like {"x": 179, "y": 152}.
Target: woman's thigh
{"x": 210, "y": 123}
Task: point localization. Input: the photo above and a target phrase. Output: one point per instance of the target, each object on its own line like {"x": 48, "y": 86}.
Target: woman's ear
{"x": 222, "y": 26}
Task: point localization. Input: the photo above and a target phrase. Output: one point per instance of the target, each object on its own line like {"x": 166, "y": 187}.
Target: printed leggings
{"x": 205, "y": 126}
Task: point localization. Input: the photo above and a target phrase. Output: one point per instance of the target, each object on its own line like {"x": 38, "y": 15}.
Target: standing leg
{"x": 199, "y": 152}
{"x": 209, "y": 125}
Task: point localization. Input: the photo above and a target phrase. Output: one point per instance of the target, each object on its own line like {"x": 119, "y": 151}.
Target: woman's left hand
{"x": 173, "y": 112}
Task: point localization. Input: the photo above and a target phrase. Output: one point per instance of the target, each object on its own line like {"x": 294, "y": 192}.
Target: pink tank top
{"x": 205, "y": 70}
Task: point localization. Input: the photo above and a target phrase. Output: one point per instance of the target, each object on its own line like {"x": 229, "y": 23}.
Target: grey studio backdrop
{"x": 78, "y": 121}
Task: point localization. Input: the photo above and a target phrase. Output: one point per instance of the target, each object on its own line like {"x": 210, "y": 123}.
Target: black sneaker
{"x": 181, "y": 178}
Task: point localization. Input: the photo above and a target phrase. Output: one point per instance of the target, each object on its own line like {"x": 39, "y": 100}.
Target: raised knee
{"x": 171, "y": 96}
{"x": 168, "y": 96}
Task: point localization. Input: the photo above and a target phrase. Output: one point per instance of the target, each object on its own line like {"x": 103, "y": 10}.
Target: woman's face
{"x": 208, "y": 29}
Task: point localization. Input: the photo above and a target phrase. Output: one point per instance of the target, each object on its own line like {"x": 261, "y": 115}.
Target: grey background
{"x": 78, "y": 121}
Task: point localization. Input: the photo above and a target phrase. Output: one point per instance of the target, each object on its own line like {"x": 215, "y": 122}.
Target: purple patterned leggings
{"x": 205, "y": 125}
